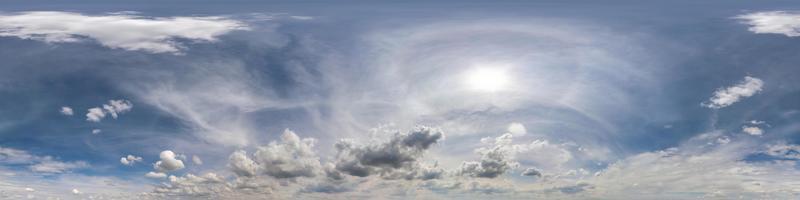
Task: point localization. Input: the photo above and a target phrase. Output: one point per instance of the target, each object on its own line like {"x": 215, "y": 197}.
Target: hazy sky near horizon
{"x": 399, "y": 100}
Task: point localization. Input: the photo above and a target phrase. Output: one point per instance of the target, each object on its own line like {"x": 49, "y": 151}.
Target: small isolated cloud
{"x": 724, "y": 97}
{"x": 517, "y": 129}
{"x": 130, "y": 160}
{"x": 196, "y": 160}
{"x": 773, "y": 22}
{"x": 76, "y": 192}
{"x": 155, "y": 175}
{"x": 168, "y": 162}
{"x": 154, "y": 35}
{"x": 96, "y": 131}
{"x": 95, "y": 115}
{"x": 67, "y": 111}
{"x": 113, "y": 108}
{"x": 752, "y": 130}
{"x": 531, "y": 172}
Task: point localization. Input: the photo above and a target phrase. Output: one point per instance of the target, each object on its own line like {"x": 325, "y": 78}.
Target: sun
{"x": 487, "y": 79}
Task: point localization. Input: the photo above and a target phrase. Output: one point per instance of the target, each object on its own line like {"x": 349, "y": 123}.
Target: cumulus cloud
{"x": 399, "y": 154}
{"x": 724, "y": 97}
{"x": 130, "y": 160}
{"x": 65, "y": 110}
{"x": 96, "y": 131}
{"x": 169, "y": 162}
{"x": 76, "y": 192}
{"x": 494, "y": 162}
{"x": 241, "y": 165}
{"x": 292, "y": 157}
{"x": 113, "y": 108}
{"x": 154, "y": 35}
{"x": 95, "y": 115}
{"x": 502, "y": 155}
{"x": 752, "y": 130}
{"x": 774, "y": 22}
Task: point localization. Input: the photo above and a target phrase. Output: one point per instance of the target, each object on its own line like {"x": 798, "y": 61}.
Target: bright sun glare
{"x": 487, "y": 79}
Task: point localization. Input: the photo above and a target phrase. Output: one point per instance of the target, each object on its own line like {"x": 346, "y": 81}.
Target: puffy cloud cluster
{"x": 113, "y": 108}
{"x": 502, "y": 155}
{"x": 494, "y": 162}
{"x": 169, "y": 162}
{"x": 154, "y": 35}
{"x": 292, "y": 157}
{"x": 396, "y": 158}
{"x": 775, "y": 22}
{"x": 724, "y": 97}
{"x": 130, "y": 160}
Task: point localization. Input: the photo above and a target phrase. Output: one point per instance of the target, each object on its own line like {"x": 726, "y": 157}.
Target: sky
{"x": 353, "y": 99}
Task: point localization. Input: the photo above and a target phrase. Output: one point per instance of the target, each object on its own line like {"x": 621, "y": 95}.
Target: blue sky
{"x": 399, "y": 100}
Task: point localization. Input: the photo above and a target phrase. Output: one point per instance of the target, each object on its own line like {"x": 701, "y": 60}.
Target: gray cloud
{"x": 532, "y": 172}
{"x": 401, "y": 152}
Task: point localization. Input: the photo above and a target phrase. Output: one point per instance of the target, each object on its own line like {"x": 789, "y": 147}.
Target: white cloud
{"x": 775, "y": 22}
{"x": 292, "y": 157}
{"x": 154, "y": 35}
{"x": 117, "y": 106}
{"x": 196, "y": 160}
{"x": 96, "y": 131}
{"x": 517, "y": 129}
{"x": 113, "y": 108}
{"x": 95, "y": 114}
{"x": 242, "y": 165}
{"x": 156, "y": 175}
{"x": 67, "y": 111}
{"x": 724, "y": 97}
{"x": 50, "y": 166}
{"x": 76, "y": 192}
{"x": 752, "y": 130}
{"x": 168, "y": 162}
{"x": 130, "y": 160}
{"x": 39, "y": 164}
